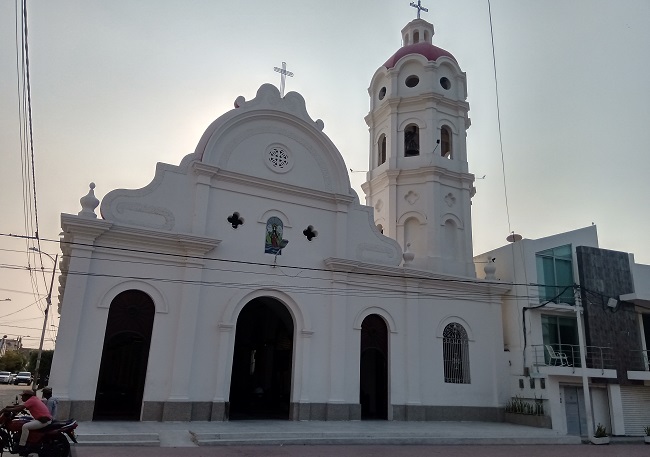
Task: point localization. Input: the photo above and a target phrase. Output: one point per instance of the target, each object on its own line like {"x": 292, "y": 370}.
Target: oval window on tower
{"x": 412, "y": 81}
{"x": 382, "y": 93}
{"x": 445, "y": 83}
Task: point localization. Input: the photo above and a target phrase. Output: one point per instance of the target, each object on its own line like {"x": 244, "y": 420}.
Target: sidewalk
{"x": 189, "y": 434}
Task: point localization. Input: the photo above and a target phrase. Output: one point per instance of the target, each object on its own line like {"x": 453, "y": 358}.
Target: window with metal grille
{"x": 455, "y": 354}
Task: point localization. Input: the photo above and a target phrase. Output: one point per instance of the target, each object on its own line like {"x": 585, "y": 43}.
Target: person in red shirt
{"x": 37, "y": 409}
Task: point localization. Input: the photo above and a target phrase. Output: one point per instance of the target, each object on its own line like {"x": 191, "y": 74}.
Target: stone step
{"x": 123, "y": 439}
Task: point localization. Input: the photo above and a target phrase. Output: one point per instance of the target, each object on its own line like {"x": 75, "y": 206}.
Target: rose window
{"x": 278, "y": 158}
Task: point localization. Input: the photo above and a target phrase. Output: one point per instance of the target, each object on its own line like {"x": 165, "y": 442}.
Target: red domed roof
{"x": 428, "y": 50}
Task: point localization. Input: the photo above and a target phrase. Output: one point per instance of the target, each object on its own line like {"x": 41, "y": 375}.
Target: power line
{"x": 244, "y": 262}
{"x": 357, "y": 288}
{"x": 496, "y": 90}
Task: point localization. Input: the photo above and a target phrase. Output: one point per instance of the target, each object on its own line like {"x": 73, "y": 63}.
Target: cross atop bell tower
{"x": 419, "y": 6}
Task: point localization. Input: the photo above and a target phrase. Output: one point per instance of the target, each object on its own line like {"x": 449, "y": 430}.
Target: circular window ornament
{"x": 382, "y": 93}
{"x": 278, "y": 158}
{"x": 412, "y": 81}
{"x": 445, "y": 83}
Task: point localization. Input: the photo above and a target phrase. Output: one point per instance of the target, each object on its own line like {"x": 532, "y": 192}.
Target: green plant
{"x": 647, "y": 430}
{"x": 518, "y": 405}
{"x": 601, "y": 431}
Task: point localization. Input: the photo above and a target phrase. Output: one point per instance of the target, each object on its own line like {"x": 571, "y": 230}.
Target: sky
{"x": 118, "y": 86}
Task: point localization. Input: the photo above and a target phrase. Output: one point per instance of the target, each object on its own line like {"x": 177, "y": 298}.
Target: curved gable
{"x": 274, "y": 138}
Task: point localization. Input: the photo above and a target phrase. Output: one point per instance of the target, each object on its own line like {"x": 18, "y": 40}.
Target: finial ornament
{"x": 408, "y": 256}
{"x": 419, "y": 6}
{"x": 490, "y": 268}
{"x": 88, "y": 203}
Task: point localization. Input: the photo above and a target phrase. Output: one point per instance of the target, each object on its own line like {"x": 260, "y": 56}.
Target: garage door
{"x": 636, "y": 409}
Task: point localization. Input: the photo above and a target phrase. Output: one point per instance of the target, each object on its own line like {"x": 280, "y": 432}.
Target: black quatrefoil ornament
{"x": 310, "y": 233}
{"x": 235, "y": 220}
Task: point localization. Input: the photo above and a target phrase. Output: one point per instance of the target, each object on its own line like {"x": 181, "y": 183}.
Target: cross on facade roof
{"x": 419, "y": 6}
{"x": 283, "y": 74}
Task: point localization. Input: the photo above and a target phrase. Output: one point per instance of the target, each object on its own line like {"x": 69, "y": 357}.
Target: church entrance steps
{"x": 187, "y": 434}
{"x": 119, "y": 439}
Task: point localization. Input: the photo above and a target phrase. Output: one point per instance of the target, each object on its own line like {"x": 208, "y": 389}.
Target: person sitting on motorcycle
{"x": 38, "y": 411}
{"x": 51, "y": 402}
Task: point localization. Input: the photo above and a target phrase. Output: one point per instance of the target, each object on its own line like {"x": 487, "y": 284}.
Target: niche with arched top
{"x": 450, "y": 250}
{"x": 414, "y": 234}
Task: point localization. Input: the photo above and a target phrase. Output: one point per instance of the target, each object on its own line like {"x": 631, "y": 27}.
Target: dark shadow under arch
{"x": 125, "y": 355}
{"x": 260, "y": 386}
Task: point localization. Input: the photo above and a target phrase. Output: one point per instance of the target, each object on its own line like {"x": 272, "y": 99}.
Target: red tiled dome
{"x": 428, "y": 50}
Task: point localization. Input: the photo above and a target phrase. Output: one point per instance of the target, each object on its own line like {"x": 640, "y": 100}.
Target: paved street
{"x": 9, "y": 392}
{"x": 585, "y": 450}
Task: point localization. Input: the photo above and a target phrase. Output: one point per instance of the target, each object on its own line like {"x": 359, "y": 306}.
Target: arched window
{"x": 445, "y": 142}
{"x": 455, "y": 354}
{"x": 411, "y": 140}
{"x": 381, "y": 148}
{"x": 380, "y": 228}
{"x": 416, "y": 37}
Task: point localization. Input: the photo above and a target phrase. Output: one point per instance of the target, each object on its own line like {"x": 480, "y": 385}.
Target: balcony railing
{"x": 568, "y": 355}
{"x": 640, "y": 360}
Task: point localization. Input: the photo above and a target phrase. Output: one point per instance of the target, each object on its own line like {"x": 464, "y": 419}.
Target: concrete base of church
{"x": 168, "y": 411}
{"x": 80, "y": 410}
{"x": 447, "y": 413}
{"x": 183, "y": 411}
{"x": 325, "y": 411}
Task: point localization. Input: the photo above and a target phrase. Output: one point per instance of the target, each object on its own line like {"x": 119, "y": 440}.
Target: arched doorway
{"x": 373, "y": 386}
{"x": 125, "y": 355}
{"x": 260, "y": 387}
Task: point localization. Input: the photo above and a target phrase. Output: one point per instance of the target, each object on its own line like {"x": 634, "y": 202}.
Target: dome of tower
{"x": 431, "y": 52}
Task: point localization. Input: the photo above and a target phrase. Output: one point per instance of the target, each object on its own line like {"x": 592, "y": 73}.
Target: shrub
{"x": 519, "y": 406}
{"x": 601, "y": 431}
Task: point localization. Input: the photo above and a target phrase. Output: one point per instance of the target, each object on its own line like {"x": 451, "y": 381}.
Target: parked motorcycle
{"x": 49, "y": 441}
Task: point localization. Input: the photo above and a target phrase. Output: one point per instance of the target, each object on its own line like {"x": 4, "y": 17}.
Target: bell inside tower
{"x": 411, "y": 141}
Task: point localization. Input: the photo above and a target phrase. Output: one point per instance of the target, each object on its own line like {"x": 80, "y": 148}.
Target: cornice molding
{"x": 417, "y": 278}
{"x": 267, "y": 185}
{"x": 85, "y": 227}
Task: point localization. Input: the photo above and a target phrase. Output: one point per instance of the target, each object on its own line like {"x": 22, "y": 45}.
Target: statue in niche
{"x": 274, "y": 242}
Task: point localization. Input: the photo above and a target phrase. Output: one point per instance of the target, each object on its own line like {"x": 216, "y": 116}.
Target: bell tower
{"x": 418, "y": 183}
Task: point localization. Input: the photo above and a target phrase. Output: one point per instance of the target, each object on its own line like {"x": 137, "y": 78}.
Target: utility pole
{"x": 583, "y": 365}
{"x": 48, "y": 300}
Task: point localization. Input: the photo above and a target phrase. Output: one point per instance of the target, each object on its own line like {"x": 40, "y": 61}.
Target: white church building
{"x": 250, "y": 282}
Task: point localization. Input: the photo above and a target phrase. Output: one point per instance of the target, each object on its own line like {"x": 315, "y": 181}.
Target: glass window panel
{"x": 563, "y": 251}
{"x": 555, "y": 273}
{"x": 563, "y": 272}
{"x": 550, "y": 333}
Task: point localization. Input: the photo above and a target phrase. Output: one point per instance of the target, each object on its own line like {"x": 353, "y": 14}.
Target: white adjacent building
{"x": 249, "y": 282}
{"x": 569, "y": 294}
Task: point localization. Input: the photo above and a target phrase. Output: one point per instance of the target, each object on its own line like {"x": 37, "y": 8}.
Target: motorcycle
{"x": 49, "y": 441}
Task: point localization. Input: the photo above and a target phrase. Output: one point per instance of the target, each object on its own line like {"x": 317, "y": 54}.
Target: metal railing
{"x": 568, "y": 355}
{"x": 640, "y": 360}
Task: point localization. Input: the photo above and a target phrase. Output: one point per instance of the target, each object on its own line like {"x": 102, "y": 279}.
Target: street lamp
{"x": 48, "y": 299}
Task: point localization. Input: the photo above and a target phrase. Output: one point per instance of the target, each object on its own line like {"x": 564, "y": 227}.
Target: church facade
{"x": 250, "y": 282}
